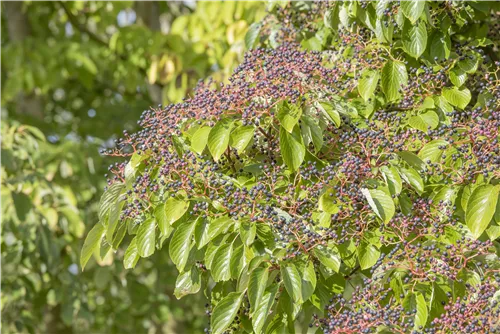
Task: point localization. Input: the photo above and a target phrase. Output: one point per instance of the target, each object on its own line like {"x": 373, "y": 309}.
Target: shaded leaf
{"x": 225, "y": 312}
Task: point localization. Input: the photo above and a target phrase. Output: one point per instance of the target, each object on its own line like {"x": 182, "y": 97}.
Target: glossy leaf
{"x": 221, "y": 268}
{"x": 481, "y": 208}
{"x": 415, "y": 39}
{"x": 131, "y": 255}
{"x": 92, "y": 242}
{"x": 457, "y": 97}
{"x": 411, "y": 176}
{"x": 368, "y": 255}
{"x": 200, "y": 138}
{"x": 224, "y": 313}
{"x": 252, "y": 35}
{"x": 174, "y": 210}
{"x": 241, "y": 137}
{"x": 292, "y": 148}
{"x": 261, "y": 312}
{"x": 394, "y": 76}
{"x": 257, "y": 286}
{"x": 381, "y": 203}
{"x": 293, "y": 282}
{"x": 424, "y": 122}
{"x": 218, "y": 138}
{"x": 180, "y": 244}
{"x": 412, "y": 9}
{"x": 328, "y": 256}
{"x": 367, "y": 84}
{"x": 187, "y": 283}
{"x": 392, "y": 179}
{"x": 146, "y": 238}
{"x": 289, "y": 115}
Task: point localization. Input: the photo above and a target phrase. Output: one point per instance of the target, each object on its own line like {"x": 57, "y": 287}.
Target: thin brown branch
{"x": 82, "y": 28}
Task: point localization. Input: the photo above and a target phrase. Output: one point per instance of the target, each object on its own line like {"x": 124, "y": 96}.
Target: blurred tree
{"x": 76, "y": 74}
{"x": 94, "y": 61}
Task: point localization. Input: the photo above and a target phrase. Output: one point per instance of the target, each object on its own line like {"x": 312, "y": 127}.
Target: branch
{"x": 82, "y": 28}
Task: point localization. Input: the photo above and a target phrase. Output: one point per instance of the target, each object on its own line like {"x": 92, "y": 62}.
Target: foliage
{"x": 47, "y": 195}
{"x": 96, "y": 60}
{"x": 349, "y": 181}
{"x": 76, "y": 74}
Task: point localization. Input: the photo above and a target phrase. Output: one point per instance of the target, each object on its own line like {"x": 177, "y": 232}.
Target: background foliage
{"x": 345, "y": 178}
{"x": 74, "y": 75}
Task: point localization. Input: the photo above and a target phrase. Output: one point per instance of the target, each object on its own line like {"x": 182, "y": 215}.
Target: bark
{"x": 148, "y": 13}
{"x": 18, "y": 30}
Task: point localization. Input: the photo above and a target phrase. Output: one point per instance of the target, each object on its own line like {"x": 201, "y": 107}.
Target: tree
{"x": 345, "y": 178}
{"x": 97, "y": 60}
{"x": 60, "y": 104}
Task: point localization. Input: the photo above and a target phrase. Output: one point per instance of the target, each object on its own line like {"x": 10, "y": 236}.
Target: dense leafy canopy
{"x": 362, "y": 194}
{"x": 77, "y": 74}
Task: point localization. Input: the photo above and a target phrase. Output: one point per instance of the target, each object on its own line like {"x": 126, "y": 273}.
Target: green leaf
{"x": 216, "y": 227}
{"x": 131, "y": 255}
{"x": 440, "y": 46}
{"x": 289, "y": 115}
{"x": 109, "y": 198}
{"x": 422, "y": 312}
{"x": 200, "y": 138}
{"x": 248, "y": 231}
{"x": 368, "y": 255}
{"x": 257, "y": 286}
{"x": 394, "y": 76}
{"x": 293, "y": 282}
{"x": 180, "y": 244}
{"x": 469, "y": 64}
{"x": 328, "y": 256}
{"x": 329, "y": 112}
{"x": 381, "y": 203}
{"x": 252, "y": 35}
{"x": 261, "y": 310}
{"x": 415, "y": 39}
{"x": 308, "y": 281}
{"x": 201, "y": 232}
{"x": 424, "y": 121}
{"x": 221, "y": 265}
{"x": 412, "y": 177}
{"x": 457, "y": 76}
{"x": 292, "y": 148}
{"x": 238, "y": 261}
{"x": 392, "y": 179}
{"x": 431, "y": 150}
{"x": 174, "y": 210}
{"x": 91, "y": 243}
{"x": 241, "y": 137}
{"x": 367, "y": 84}
{"x": 146, "y": 238}
{"x": 412, "y": 9}
{"x": 188, "y": 283}
{"x": 457, "y": 97}
{"x": 218, "y": 138}
{"x": 314, "y": 132}
{"x": 445, "y": 194}
{"x": 412, "y": 159}
{"x": 225, "y": 312}
{"x": 162, "y": 221}
{"x": 113, "y": 220}
{"x": 326, "y": 202}
{"x": 481, "y": 208}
